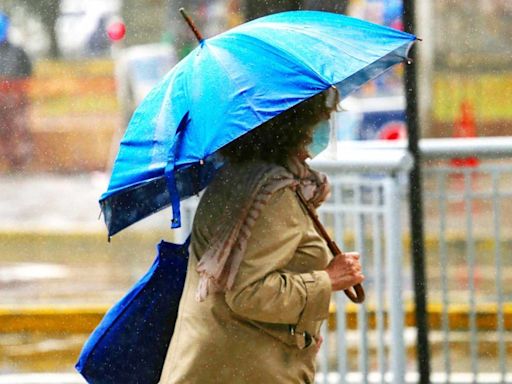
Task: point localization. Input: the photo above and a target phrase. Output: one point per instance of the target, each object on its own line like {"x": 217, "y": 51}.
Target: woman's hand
{"x": 345, "y": 271}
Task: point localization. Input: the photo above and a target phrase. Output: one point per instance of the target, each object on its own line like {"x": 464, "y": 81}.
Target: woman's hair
{"x": 286, "y": 134}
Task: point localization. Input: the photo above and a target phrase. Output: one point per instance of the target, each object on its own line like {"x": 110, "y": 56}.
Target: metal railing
{"x": 364, "y": 214}
{"x": 469, "y": 194}
{"x": 468, "y": 206}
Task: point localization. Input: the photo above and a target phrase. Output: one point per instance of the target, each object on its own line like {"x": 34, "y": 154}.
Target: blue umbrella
{"x": 229, "y": 85}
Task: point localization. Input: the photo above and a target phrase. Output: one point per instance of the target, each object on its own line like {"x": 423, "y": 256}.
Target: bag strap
{"x": 357, "y": 295}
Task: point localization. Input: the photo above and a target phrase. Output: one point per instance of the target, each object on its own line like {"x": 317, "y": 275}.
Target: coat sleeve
{"x": 263, "y": 289}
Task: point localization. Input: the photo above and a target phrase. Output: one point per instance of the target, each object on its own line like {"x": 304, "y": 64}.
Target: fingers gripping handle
{"x": 356, "y": 293}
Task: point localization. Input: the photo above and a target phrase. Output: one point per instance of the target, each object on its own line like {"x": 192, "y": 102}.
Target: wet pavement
{"x": 54, "y": 202}
{"x": 54, "y": 248}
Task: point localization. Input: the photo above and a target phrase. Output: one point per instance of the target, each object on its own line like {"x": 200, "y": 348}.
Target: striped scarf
{"x": 257, "y": 182}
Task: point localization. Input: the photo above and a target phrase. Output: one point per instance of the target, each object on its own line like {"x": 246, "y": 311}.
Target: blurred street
{"x": 55, "y": 254}
{"x": 52, "y": 233}
{"x": 51, "y": 202}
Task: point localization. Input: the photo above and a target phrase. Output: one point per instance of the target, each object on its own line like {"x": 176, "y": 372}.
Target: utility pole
{"x": 416, "y": 205}
{"x": 425, "y": 24}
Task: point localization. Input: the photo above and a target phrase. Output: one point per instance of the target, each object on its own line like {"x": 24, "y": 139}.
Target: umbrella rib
{"x": 285, "y": 54}
{"x": 299, "y": 29}
{"x": 228, "y": 73}
{"x": 370, "y": 75}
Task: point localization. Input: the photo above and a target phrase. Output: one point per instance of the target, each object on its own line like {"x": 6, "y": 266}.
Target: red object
{"x": 394, "y": 130}
{"x": 464, "y": 127}
{"x": 116, "y": 31}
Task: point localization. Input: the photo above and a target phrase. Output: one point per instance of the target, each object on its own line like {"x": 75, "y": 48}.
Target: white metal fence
{"x": 364, "y": 214}
{"x": 469, "y": 195}
{"x": 468, "y": 228}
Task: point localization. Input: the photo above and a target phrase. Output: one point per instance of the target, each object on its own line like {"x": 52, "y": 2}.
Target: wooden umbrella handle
{"x": 356, "y": 293}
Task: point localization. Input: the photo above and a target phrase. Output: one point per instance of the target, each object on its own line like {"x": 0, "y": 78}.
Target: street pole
{"x": 416, "y": 205}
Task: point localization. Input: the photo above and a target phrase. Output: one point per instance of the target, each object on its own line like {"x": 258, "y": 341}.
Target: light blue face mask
{"x": 321, "y": 136}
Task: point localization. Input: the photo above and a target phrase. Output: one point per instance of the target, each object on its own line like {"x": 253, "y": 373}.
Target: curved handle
{"x": 357, "y": 295}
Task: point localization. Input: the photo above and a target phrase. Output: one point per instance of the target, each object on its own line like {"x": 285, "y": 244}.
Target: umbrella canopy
{"x": 229, "y": 85}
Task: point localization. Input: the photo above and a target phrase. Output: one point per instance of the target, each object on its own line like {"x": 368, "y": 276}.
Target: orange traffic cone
{"x": 465, "y": 126}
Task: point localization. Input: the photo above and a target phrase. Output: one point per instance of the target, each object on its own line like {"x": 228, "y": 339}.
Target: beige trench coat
{"x": 265, "y": 328}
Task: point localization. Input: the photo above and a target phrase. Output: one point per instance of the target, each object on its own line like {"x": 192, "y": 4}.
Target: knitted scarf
{"x": 256, "y": 183}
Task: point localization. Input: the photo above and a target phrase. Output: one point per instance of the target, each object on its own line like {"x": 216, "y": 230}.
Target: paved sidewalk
{"x": 51, "y": 202}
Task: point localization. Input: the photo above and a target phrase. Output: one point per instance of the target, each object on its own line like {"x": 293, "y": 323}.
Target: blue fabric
{"x": 130, "y": 343}
{"x": 231, "y": 84}
{"x": 4, "y": 27}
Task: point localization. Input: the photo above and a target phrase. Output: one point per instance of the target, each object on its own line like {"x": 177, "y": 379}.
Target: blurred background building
{"x": 68, "y": 41}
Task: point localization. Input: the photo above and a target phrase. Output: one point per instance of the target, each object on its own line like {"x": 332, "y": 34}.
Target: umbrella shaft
{"x": 356, "y": 296}
{"x": 191, "y": 24}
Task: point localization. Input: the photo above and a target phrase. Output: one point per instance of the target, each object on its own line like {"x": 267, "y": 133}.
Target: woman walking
{"x": 260, "y": 277}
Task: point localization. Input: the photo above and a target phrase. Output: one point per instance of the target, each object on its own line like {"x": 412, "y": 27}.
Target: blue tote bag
{"x": 130, "y": 343}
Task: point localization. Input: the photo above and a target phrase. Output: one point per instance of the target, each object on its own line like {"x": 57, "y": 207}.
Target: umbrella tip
{"x": 191, "y": 24}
